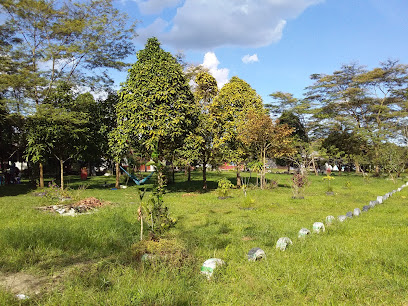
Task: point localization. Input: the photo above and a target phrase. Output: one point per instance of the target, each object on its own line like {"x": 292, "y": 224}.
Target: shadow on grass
{"x": 16, "y": 189}
{"x": 64, "y": 242}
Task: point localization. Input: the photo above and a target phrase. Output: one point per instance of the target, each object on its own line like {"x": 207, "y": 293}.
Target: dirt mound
{"x": 88, "y": 203}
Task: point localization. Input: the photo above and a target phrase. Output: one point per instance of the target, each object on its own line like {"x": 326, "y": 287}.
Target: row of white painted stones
{"x": 254, "y": 254}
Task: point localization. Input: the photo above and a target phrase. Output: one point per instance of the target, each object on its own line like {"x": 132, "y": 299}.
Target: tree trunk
{"x": 314, "y": 167}
{"x": 188, "y": 173}
{"x": 141, "y": 227}
{"x": 204, "y": 173}
{"x": 62, "y": 173}
{"x": 357, "y": 165}
{"x": 172, "y": 172}
{"x": 117, "y": 176}
{"x": 263, "y": 171}
{"x": 239, "y": 183}
{"x": 41, "y": 175}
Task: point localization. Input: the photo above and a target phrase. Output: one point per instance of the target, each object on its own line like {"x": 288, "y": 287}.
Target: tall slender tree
{"x": 156, "y": 107}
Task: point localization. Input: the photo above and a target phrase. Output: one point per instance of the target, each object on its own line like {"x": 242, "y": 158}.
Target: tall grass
{"x": 92, "y": 257}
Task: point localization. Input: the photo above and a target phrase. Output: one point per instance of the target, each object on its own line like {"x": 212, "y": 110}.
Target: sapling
{"x": 329, "y": 178}
{"x": 141, "y": 210}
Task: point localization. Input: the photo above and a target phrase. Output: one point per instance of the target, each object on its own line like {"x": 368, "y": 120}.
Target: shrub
{"x": 224, "y": 187}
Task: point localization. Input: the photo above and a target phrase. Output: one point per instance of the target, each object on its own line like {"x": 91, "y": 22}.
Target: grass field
{"x": 94, "y": 259}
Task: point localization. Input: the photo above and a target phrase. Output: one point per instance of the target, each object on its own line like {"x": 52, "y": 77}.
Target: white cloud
{"x": 211, "y": 62}
{"x": 159, "y": 25}
{"x": 207, "y": 24}
{"x": 247, "y": 59}
{"x": 150, "y": 7}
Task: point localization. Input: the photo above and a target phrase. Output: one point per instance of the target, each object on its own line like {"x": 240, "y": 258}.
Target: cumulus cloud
{"x": 151, "y": 7}
{"x": 211, "y": 62}
{"x": 247, "y": 59}
{"x": 208, "y": 24}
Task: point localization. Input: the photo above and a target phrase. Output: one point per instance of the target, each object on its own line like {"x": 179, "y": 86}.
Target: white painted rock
{"x": 22, "y": 296}
{"x": 330, "y": 220}
{"x": 146, "y": 257}
{"x": 379, "y": 199}
{"x": 303, "y": 233}
{"x": 373, "y": 203}
{"x": 283, "y": 243}
{"x": 255, "y": 254}
{"x": 342, "y": 218}
{"x": 318, "y": 227}
{"x": 209, "y": 266}
{"x": 356, "y": 212}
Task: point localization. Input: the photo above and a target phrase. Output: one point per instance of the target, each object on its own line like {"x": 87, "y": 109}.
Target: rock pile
{"x": 84, "y": 206}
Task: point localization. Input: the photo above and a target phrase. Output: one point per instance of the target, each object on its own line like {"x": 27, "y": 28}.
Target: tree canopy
{"x": 156, "y": 106}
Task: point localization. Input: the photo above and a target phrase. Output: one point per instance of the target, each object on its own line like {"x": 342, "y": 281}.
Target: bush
{"x": 224, "y": 187}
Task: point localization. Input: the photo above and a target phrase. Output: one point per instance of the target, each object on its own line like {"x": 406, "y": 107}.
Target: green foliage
{"x": 366, "y": 102}
{"x": 55, "y": 193}
{"x": 57, "y": 129}
{"x": 224, "y": 187}
{"x": 248, "y": 202}
{"x": 64, "y": 42}
{"x": 329, "y": 178}
{"x": 154, "y": 106}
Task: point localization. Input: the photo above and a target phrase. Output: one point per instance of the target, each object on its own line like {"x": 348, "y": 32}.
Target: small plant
{"x": 160, "y": 220}
{"x": 273, "y": 184}
{"x": 329, "y": 178}
{"x": 299, "y": 182}
{"x": 77, "y": 194}
{"x": 347, "y": 185}
{"x": 248, "y": 202}
{"x": 54, "y": 192}
{"x": 224, "y": 187}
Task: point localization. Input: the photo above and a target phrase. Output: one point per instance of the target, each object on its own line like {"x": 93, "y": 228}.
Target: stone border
{"x": 318, "y": 227}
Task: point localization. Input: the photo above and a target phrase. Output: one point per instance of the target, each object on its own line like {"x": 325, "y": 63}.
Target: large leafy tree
{"x": 45, "y": 43}
{"x": 59, "y": 128}
{"x": 369, "y": 102}
{"x": 266, "y": 138}
{"x": 156, "y": 106}
{"x": 67, "y": 41}
{"x": 230, "y": 108}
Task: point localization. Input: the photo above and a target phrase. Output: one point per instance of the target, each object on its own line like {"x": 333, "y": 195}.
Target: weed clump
{"x": 163, "y": 250}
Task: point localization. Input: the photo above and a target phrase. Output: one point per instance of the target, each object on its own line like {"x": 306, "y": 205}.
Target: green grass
{"x": 94, "y": 261}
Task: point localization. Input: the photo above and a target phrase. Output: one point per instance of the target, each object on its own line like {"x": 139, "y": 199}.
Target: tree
{"x": 266, "y": 138}
{"x": 297, "y": 113}
{"x": 204, "y": 134}
{"x": 230, "y": 108}
{"x": 65, "y": 41}
{"x": 156, "y": 106}
{"x": 102, "y": 120}
{"x": 57, "y": 129}
{"x": 346, "y": 145}
{"x": 368, "y": 102}
{"x": 45, "y": 43}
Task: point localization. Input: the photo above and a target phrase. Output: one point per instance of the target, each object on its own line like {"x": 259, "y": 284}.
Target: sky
{"x": 274, "y": 45}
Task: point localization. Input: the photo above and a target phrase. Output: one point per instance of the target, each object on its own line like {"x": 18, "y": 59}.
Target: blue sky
{"x": 284, "y": 41}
